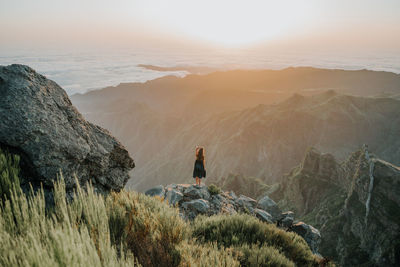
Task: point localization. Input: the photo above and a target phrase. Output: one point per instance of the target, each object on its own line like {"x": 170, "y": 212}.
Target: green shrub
{"x": 213, "y": 189}
{"x": 129, "y": 228}
{"x": 194, "y": 255}
{"x": 149, "y": 228}
{"x": 255, "y": 255}
{"x": 9, "y": 171}
{"x": 243, "y": 230}
{"x": 91, "y": 230}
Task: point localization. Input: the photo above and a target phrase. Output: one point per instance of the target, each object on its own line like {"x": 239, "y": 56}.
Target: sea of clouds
{"x": 81, "y": 71}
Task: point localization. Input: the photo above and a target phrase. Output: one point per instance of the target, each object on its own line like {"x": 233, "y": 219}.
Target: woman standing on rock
{"x": 199, "y": 170}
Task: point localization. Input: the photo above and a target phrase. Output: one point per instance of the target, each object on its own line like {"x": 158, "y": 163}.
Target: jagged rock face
{"x": 357, "y": 212}
{"x": 39, "y": 122}
{"x": 193, "y": 201}
{"x": 309, "y": 184}
{"x": 371, "y": 216}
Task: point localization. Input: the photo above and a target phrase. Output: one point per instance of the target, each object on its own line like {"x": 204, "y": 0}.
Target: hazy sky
{"x": 335, "y": 24}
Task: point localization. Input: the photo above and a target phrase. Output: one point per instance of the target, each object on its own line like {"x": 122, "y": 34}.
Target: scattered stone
{"x": 287, "y": 218}
{"x": 246, "y": 203}
{"x": 269, "y": 206}
{"x": 263, "y": 216}
{"x": 156, "y": 191}
{"x": 233, "y": 195}
{"x": 191, "y": 203}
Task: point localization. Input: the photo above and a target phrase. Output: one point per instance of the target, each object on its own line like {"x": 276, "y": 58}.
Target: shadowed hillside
{"x": 354, "y": 203}
{"x": 263, "y": 141}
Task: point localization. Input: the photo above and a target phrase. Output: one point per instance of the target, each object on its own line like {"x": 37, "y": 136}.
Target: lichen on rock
{"x": 39, "y": 123}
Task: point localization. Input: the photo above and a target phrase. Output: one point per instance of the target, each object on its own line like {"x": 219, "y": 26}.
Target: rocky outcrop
{"x": 309, "y": 233}
{"x": 354, "y": 204}
{"x": 270, "y": 206}
{"x": 38, "y": 122}
{"x": 310, "y": 184}
{"x": 194, "y": 200}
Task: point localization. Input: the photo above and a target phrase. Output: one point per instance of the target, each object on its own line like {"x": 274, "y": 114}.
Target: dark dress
{"x": 199, "y": 170}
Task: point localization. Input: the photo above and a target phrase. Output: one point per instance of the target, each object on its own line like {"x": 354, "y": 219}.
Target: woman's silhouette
{"x": 199, "y": 170}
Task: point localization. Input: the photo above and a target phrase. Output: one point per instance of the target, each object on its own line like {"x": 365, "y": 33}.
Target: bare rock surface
{"x": 38, "y": 122}
{"x": 355, "y": 204}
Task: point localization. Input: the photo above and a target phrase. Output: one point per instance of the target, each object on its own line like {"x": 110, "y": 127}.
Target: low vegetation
{"x": 9, "y": 171}
{"x": 130, "y": 229}
{"x": 256, "y": 243}
{"x": 213, "y": 189}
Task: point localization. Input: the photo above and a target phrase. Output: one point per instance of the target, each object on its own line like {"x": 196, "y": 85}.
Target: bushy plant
{"x": 129, "y": 228}
{"x": 202, "y": 255}
{"x": 9, "y": 171}
{"x": 263, "y": 256}
{"x": 75, "y": 234}
{"x": 149, "y": 228}
{"x": 213, "y": 189}
{"x": 241, "y": 230}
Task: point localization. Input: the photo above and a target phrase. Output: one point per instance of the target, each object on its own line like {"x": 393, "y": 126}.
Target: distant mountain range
{"x": 189, "y": 69}
{"x": 254, "y": 123}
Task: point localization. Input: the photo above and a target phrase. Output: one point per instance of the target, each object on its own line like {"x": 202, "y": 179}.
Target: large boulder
{"x": 39, "y": 123}
{"x": 191, "y": 209}
{"x": 286, "y": 219}
{"x": 269, "y": 206}
{"x": 196, "y": 192}
{"x": 173, "y": 196}
{"x": 311, "y": 235}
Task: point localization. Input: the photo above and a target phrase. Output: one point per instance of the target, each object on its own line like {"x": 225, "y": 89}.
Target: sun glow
{"x": 233, "y": 23}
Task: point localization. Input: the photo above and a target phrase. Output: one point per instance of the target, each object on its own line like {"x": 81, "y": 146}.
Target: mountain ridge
{"x": 354, "y": 203}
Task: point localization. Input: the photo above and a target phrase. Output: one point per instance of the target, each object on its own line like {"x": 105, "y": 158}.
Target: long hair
{"x": 200, "y": 153}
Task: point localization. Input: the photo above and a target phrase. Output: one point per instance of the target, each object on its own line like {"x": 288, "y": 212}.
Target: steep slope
{"x": 355, "y": 204}
{"x": 162, "y": 120}
{"x": 268, "y": 141}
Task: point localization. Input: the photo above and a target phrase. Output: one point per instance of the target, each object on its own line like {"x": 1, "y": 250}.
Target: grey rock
{"x": 196, "y": 192}
{"x": 197, "y": 205}
{"x": 173, "y": 197}
{"x": 263, "y": 216}
{"x": 216, "y": 200}
{"x": 246, "y": 203}
{"x": 311, "y": 235}
{"x": 39, "y": 122}
{"x": 156, "y": 191}
{"x": 233, "y": 195}
{"x": 171, "y": 186}
{"x": 269, "y": 206}
{"x": 228, "y": 209}
{"x": 287, "y": 218}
